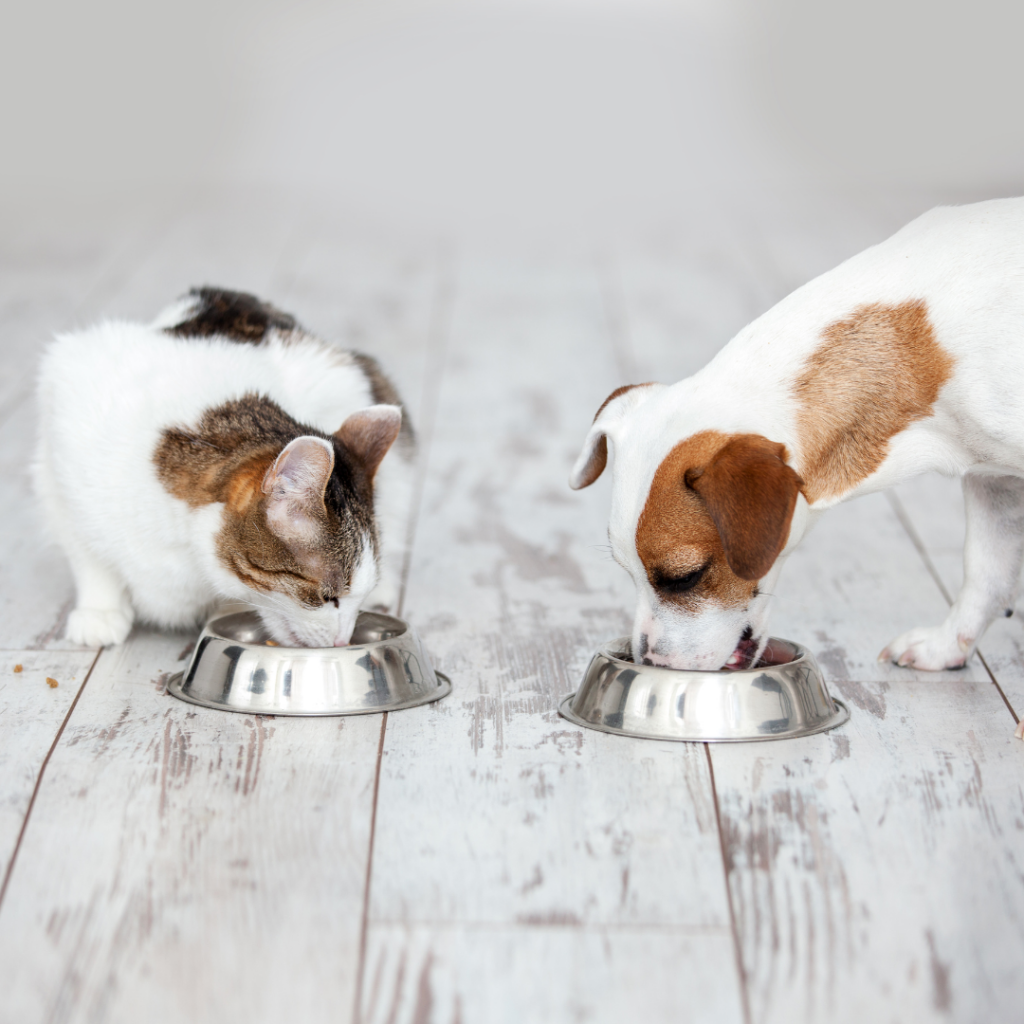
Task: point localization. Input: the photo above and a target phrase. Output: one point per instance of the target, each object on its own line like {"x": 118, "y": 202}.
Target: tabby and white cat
{"x": 222, "y": 452}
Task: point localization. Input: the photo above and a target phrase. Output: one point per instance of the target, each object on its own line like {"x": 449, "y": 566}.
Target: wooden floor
{"x": 480, "y": 859}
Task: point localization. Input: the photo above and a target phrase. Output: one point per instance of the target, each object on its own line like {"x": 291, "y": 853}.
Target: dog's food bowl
{"x": 783, "y": 697}
{"x": 234, "y": 668}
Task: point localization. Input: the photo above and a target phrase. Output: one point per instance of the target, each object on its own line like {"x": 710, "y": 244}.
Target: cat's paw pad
{"x": 931, "y": 650}
{"x": 98, "y": 627}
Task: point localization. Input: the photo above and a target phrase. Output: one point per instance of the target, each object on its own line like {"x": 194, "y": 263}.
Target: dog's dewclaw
{"x": 52, "y": 683}
{"x": 17, "y": 669}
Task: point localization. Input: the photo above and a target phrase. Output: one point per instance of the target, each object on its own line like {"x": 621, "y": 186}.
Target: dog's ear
{"x": 594, "y": 456}
{"x": 751, "y": 493}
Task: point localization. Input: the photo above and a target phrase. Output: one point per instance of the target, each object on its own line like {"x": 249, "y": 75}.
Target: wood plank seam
{"x": 437, "y": 354}
{"x": 437, "y": 343}
{"x": 365, "y": 923}
{"x": 39, "y": 780}
{"x": 908, "y": 526}
{"x": 737, "y": 951}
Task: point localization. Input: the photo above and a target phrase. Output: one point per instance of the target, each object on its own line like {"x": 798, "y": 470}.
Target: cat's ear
{"x": 296, "y": 483}
{"x": 369, "y": 433}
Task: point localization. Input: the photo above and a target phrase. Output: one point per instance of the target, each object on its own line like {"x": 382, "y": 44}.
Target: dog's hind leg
{"x": 993, "y": 554}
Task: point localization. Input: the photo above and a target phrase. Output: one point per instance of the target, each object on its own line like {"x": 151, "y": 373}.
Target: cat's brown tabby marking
{"x": 228, "y": 456}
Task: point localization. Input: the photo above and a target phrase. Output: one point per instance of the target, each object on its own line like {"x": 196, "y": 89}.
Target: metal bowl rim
{"x": 443, "y": 689}
{"x": 841, "y": 716}
{"x": 606, "y": 651}
{"x": 209, "y": 631}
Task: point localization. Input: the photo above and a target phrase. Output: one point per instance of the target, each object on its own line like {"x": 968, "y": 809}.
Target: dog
{"x": 908, "y": 357}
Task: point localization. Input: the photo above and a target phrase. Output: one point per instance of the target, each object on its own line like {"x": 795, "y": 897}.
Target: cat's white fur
{"x": 105, "y": 395}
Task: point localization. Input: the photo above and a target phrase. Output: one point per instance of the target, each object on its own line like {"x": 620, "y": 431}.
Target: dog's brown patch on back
{"x": 874, "y": 374}
{"x": 225, "y": 457}
{"x": 676, "y": 534}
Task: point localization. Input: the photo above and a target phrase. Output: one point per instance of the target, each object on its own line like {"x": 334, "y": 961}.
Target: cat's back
{"x": 119, "y": 381}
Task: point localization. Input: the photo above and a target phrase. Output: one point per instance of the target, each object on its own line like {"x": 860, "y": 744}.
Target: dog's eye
{"x": 668, "y": 584}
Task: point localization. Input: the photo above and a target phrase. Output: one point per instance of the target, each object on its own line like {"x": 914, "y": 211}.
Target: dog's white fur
{"x": 967, "y": 265}
{"x": 105, "y": 396}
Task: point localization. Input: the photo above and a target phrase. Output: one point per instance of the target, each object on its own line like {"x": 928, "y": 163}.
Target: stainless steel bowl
{"x": 783, "y": 697}
{"x": 235, "y": 667}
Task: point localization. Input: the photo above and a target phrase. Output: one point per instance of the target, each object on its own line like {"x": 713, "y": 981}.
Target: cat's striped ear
{"x": 296, "y": 484}
{"x": 369, "y": 433}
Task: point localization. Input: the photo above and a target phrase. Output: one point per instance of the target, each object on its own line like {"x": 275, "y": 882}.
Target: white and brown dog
{"x": 908, "y": 357}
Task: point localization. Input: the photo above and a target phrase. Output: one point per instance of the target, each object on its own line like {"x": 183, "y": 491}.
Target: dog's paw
{"x": 931, "y": 650}
{"x": 98, "y": 627}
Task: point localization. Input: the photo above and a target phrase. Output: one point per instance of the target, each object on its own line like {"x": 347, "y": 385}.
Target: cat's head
{"x": 298, "y": 529}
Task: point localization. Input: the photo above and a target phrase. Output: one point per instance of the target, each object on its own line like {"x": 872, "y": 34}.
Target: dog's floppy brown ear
{"x": 751, "y": 494}
{"x": 594, "y": 456}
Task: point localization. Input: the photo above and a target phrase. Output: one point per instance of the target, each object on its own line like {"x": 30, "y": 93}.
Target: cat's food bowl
{"x": 783, "y": 697}
{"x": 235, "y": 667}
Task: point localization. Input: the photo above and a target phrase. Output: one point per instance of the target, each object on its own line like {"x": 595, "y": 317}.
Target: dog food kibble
{"x": 52, "y": 683}
{"x": 17, "y": 668}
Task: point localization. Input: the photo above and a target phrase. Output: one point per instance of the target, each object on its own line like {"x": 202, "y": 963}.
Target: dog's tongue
{"x": 745, "y": 651}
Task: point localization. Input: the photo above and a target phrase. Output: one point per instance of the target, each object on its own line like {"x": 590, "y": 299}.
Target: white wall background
{"x": 499, "y": 112}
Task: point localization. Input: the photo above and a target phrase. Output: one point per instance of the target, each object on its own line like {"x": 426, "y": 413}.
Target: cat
{"x": 222, "y": 453}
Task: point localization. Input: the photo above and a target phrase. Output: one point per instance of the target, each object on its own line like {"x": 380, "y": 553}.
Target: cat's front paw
{"x": 932, "y": 649}
{"x": 98, "y": 627}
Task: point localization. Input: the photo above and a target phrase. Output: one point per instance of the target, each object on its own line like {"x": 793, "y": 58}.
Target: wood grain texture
{"x": 876, "y": 871}
{"x": 458, "y": 974}
{"x": 500, "y": 827}
{"x": 934, "y": 507}
{"x": 185, "y": 864}
{"x": 31, "y": 713}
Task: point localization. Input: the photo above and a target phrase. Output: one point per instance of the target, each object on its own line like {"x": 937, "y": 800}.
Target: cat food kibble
{"x": 17, "y": 668}
{"x": 272, "y": 643}
{"x": 52, "y": 683}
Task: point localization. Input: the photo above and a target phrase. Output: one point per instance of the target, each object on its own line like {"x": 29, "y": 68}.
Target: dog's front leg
{"x": 993, "y": 553}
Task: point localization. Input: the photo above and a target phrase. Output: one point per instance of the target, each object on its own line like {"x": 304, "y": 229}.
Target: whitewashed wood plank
{"x": 31, "y": 713}
{"x": 546, "y": 975}
{"x": 935, "y": 510}
{"x": 185, "y": 864}
{"x": 876, "y": 871}
{"x": 492, "y": 810}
